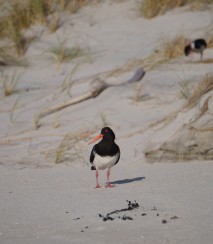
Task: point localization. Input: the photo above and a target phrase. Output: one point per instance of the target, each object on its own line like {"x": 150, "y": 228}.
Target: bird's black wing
{"x": 200, "y": 43}
{"x": 118, "y": 156}
{"x": 92, "y": 155}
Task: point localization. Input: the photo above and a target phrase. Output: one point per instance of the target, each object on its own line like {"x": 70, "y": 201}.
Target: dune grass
{"x": 60, "y": 52}
{"x": 68, "y": 81}
{"x": 12, "y": 111}
{"x": 9, "y": 82}
{"x": 8, "y": 59}
{"x": 21, "y": 14}
{"x": 203, "y": 87}
{"x": 27, "y": 12}
{"x": 70, "y": 149}
{"x": 173, "y": 48}
{"x": 209, "y": 33}
{"x": 74, "y": 5}
{"x": 152, "y": 8}
{"x": 184, "y": 89}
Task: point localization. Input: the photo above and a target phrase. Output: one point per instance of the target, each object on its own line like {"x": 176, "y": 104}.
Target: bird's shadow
{"x": 127, "y": 181}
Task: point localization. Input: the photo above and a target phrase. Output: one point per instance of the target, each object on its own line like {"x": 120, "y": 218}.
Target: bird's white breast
{"x": 193, "y": 45}
{"x": 104, "y": 162}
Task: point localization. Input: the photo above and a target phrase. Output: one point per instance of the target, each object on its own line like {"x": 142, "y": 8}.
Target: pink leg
{"x": 191, "y": 55}
{"x": 108, "y": 183}
{"x": 97, "y": 185}
{"x": 201, "y": 56}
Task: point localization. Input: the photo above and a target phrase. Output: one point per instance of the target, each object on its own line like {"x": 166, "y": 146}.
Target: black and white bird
{"x": 104, "y": 154}
{"x": 196, "y": 46}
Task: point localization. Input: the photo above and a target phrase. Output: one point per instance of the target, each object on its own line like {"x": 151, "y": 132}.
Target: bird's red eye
{"x": 106, "y": 130}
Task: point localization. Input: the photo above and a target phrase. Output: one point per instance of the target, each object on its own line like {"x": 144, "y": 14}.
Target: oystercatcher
{"x": 196, "y": 46}
{"x": 105, "y": 154}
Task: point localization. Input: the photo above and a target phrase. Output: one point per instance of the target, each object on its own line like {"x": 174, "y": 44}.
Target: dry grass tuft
{"x": 9, "y": 82}
{"x": 174, "y": 48}
{"x": 202, "y": 88}
{"x": 61, "y": 53}
{"x": 16, "y": 35}
{"x": 74, "y": 5}
{"x": 199, "y": 4}
{"x": 21, "y": 14}
{"x": 7, "y": 58}
{"x": 15, "y": 105}
{"x": 68, "y": 81}
{"x": 204, "y": 61}
{"x": 209, "y": 35}
{"x": 184, "y": 89}
{"x": 71, "y": 5}
{"x": 152, "y": 8}
{"x": 70, "y": 148}
{"x": 54, "y": 22}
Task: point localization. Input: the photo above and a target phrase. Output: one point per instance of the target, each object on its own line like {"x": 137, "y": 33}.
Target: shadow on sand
{"x": 126, "y": 181}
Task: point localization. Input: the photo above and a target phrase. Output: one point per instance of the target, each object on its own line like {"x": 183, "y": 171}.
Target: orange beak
{"x": 96, "y": 138}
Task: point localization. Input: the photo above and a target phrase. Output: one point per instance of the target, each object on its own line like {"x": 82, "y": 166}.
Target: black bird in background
{"x": 196, "y": 46}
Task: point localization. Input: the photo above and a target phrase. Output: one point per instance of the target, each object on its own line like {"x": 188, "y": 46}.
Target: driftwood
{"x": 96, "y": 87}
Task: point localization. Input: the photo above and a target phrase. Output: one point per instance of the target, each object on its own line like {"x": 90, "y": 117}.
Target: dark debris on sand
{"x": 122, "y": 213}
{"x": 131, "y": 206}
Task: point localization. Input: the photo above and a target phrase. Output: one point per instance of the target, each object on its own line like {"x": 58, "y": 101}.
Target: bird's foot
{"x": 109, "y": 185}
{"x": 97, "y": 186}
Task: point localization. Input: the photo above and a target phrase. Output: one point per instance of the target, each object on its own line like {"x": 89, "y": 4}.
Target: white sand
{"x": 41, "y": 201}
{"x": 42, "y": 205}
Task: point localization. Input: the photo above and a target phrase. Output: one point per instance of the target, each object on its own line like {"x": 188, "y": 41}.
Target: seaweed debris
{"x": 131, "y": 206}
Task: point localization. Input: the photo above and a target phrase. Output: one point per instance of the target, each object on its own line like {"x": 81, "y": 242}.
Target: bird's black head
{"x": 108, "y": 133}
{"x": 187, "y": 50}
